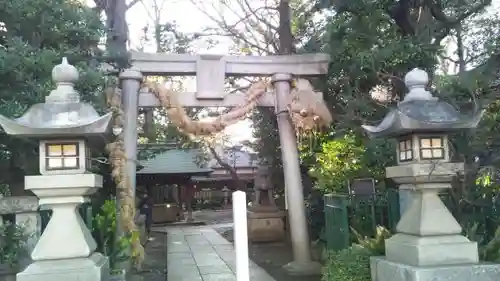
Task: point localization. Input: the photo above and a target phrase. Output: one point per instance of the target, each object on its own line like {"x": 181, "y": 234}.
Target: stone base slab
{"x": 384, "y": 270}
{"x": 431, "y": 250}
{"x": 93, "y": 268}
{"x": 265, "y": 227}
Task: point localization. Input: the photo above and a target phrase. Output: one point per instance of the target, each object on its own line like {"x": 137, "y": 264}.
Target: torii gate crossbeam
{"x": 210, "y": 71}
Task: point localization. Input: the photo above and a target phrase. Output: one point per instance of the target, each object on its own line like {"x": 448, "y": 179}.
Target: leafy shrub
{"x": 347, "y": 157}
{"x": 13, "y": 244}
{"x": 375, "y": 244}
{"x": 353, "y": 263}
{"x": 488, "y": 250}
{"x": 104, "y": 229}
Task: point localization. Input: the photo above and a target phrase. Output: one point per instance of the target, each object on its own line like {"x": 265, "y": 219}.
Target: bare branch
{"x": 131, "y": 4}
{"x": 254, "y": 31}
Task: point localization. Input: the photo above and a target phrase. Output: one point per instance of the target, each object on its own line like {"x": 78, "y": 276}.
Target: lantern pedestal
{"x": 384, "y": 270}
{"x": 425, "y": 240}
{"x": 93, "y": 268}
{"x": 428, "y": 245}
{"x": 66, "y": 248}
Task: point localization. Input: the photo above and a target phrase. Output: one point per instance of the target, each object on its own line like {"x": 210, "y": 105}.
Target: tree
{"x": 373, "y": 45}
{"x": 116, "y": 29}
{"x": 34, "y": 36}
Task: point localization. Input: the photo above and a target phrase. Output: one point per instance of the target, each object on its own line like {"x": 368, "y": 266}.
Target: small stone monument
{"x": 65, "y": 128}
{"x": 428, "y": 244}
{"x": 265, "y": 220}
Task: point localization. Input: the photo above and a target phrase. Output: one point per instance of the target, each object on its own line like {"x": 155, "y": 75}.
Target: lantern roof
{"x": 62, "y": 114}
{"x": 420, "y": 112}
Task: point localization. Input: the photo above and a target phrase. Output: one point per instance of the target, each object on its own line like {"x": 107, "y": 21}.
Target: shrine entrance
{"x": 296, "y": 108}
{"x": 167, "y": 179}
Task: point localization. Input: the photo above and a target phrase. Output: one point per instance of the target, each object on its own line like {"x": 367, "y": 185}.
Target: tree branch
{"x": 232, "y": 171}
{"x": 132, "y": 3}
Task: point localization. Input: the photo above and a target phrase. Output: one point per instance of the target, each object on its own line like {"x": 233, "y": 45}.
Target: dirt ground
{"x": 270, "y": 256}
{"x": 154, "y": 266}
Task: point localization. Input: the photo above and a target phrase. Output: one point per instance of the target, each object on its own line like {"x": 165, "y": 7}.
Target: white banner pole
{"x": 240, "y": 235}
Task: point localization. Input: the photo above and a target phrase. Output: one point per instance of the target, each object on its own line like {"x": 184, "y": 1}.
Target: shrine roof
{"x": 174, "y": 161}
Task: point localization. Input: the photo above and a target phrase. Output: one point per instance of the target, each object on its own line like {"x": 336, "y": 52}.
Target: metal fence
{"x": 481, "y": 211}
{"x": 344, "y": 213}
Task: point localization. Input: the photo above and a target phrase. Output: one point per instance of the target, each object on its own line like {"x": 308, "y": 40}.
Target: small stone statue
{"x": 263, "y": 184}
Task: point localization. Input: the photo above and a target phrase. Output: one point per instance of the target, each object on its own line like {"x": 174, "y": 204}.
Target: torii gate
{"x": 210, "y": 72}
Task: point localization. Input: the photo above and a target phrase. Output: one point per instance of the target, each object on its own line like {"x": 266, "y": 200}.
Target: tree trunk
{"x": 116, "y": 29}
{"x": 460, "y": 51}
{"x": 117, "y": 35}
{"x": 149, "y": 127}
{"x": 285, "y": 29}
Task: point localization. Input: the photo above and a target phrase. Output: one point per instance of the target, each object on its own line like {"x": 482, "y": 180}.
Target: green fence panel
{"x": 362, "y": 214}
{"x": 336, "y": 222}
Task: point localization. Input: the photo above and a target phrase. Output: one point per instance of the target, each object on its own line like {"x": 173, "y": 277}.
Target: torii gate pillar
{"x": 302, "y": 263}
{"x": 211, "y": 71}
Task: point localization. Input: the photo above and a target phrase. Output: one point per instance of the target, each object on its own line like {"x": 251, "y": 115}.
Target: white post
{"x": 241, "y": 235}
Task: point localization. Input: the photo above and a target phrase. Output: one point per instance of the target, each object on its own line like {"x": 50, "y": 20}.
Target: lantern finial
{"x": 416, "y": 81}
{"x": 65, "y": 76}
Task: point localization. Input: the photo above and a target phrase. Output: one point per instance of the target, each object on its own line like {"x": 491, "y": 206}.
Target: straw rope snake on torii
{"x": 306, "y": 107}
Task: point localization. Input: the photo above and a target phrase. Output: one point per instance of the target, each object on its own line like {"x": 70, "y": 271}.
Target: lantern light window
{"x": 62, "y": 156}
{"x": 405, "y": 150}
{"x": 431, "y": 148}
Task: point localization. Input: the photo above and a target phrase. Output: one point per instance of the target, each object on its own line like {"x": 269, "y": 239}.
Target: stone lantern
{"x": 66, "y": 129}
{"x": 428, "y": 244}
{"x": 225, "y": 192}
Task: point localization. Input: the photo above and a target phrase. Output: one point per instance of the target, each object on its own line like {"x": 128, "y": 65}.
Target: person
{"x": 146, "y": 208}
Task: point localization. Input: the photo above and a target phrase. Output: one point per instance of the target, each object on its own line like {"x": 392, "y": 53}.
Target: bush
{"x": 13, "y": 244}
{"x": 376, "y": 244}
{"x": 108, "y": 243}
{"x": 489, "y": 250}
{"x": 351, "y": 264}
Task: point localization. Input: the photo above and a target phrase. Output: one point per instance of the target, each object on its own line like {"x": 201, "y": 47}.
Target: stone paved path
{"x": 202, "y": 254}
